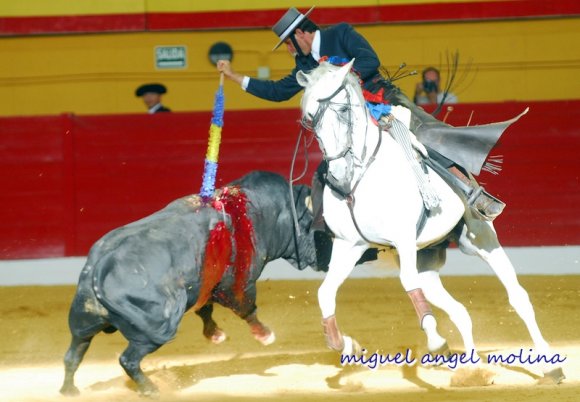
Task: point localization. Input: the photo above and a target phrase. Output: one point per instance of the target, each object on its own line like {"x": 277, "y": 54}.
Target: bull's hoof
{"x": 218, "y": 336}
{"x": 69, "y": 390}
{"x": 262, "y": 334}
{"x": 149, "y": 390}
{"x": 555, "y": 376}
{"x": 266, "y": 339}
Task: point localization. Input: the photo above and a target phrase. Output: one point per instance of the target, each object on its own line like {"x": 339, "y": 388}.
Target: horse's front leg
{"x": 429, "y": 262}
{"x": 411, "y": 282}
{"x": 437, "y": 295}
{"x": 479, "y": 237}
{"x": 344, "y": 257}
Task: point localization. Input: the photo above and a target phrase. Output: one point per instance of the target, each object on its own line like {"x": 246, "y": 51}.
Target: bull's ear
{"x": 302, "y": 79}
{"x": 308, "y": 203}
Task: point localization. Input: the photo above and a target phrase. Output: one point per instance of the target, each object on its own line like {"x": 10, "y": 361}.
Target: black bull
{"x": 141, "y": 278}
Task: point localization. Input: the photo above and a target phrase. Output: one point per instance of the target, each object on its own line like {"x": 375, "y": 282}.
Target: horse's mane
{"x": 352, "y": 80}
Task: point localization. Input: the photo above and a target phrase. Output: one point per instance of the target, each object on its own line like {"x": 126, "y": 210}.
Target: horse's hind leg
{"x": 130, "y": 360}
{"x": 518, "y": 297}
{"x": 486, "y": 245}
{"x": 344, "y": 257}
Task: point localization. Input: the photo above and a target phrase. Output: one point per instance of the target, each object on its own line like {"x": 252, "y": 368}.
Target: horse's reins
{"x": 291, "y": 182}
{"x": 349, "y": 198}
{"x": 321, "y": 110}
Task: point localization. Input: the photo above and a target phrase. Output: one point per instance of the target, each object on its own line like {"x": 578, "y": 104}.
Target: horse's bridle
{"x": 323, "y": 105}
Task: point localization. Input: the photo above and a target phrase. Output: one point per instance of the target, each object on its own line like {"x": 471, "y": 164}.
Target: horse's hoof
{"x": 351, "y": 347}
{"x": 266, "y": 339}
{"x": 336, "y": 345}
{"x": 69, "y": 390}
{"x": 555, "y": 376}
{"x": 442, "y": 350}
{"x": 218, "y": 337}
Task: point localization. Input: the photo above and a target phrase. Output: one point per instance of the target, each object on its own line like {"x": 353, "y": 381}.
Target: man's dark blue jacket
{"x": 341, "y": 41}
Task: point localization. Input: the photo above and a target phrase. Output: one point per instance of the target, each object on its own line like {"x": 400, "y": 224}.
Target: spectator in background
{"x": 428, "y": 91}
{"x": 151, "y": 94}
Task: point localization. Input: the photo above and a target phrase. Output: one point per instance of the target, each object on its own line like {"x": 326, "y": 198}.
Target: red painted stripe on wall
{"x": 430, "y": 12}
{"x": 372, "y": 15}
{"x": 479, "y": 10}
{"x": 14, "y": 26}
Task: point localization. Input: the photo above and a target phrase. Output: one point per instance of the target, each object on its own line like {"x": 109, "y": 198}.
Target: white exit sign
{"x": 170, "y": 56}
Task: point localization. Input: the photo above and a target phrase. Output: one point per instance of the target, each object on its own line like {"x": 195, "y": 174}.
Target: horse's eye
{"x": 343, "y": 109}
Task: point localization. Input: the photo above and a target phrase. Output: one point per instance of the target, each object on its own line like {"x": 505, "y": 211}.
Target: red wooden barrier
{"x": 67, "y": 180}
{"x": 540, "y": 176}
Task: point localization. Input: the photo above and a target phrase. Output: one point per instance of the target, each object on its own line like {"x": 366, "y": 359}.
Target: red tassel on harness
{"x": 374, "y": 97}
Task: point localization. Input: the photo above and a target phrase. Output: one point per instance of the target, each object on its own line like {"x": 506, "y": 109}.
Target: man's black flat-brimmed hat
{"x": 151, "y": 88}
{"x": 288, "y": 23}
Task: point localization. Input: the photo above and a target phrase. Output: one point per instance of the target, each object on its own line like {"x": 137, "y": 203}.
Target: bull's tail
{"x": 134, "y": 311}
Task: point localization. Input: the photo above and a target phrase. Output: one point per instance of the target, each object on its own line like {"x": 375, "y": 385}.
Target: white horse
{"x": 384, "y": 205}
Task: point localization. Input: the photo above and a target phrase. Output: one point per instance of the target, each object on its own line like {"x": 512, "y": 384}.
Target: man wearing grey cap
{"x": 339, "y": 44}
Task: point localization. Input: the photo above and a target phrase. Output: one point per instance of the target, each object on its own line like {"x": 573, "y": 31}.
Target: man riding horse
{"x": 450, "y": 149}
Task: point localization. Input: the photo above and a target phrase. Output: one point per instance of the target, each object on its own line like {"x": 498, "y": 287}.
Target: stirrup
{"x": 485, "y": 205}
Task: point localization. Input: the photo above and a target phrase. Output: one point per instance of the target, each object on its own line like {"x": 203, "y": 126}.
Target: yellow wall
{"x": 98, "y": 73}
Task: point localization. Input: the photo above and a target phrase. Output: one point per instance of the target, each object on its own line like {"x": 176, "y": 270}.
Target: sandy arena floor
{"x": 297, "y": 367}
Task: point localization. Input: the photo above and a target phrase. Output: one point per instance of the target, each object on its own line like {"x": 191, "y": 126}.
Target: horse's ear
{"x": 302, "y": 79}
{"x": 344, "y": 70}
{"x": 308, "y": 203}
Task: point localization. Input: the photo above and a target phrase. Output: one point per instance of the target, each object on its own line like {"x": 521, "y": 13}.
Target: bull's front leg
{"x": 210, "y": 328}
{"x": 245, "y": 307}
{"x": 261, "y": 332}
